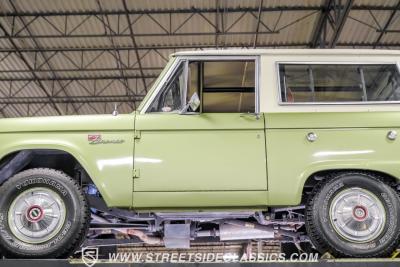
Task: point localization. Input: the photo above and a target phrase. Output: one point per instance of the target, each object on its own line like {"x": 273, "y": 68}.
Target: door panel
{"x": 197, "y": 153}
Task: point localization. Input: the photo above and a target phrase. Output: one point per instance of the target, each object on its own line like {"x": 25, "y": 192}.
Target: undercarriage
{"x": 179, "y": 229}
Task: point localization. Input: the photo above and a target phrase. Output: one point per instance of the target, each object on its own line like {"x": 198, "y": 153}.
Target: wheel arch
{"x": 313, "y": 179}
{"x": 65, "y": 160}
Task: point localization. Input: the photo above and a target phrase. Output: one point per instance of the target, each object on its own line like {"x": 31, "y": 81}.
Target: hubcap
{"x": 36, "y": 215}
{"x": 357, "y": 215}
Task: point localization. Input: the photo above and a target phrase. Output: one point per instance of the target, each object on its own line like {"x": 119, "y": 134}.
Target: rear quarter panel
{"x": 345, "y": 141}
{"x": 349, "y": 136}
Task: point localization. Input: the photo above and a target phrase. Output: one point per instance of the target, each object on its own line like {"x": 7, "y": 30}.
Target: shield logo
{"x": 90, "y": 256}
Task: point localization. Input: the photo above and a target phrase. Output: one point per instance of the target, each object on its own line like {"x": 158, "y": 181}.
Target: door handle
{"x": 257, "y": 115}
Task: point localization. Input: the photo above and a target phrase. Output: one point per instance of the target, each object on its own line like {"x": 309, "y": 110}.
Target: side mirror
{"x": 194, "y": 104}
{"x": 115, "y": 111}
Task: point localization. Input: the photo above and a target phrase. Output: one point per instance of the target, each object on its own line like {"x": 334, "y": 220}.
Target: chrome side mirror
{"x": 194, "y": 104}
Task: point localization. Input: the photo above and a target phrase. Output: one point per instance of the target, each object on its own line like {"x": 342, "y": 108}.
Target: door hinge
{"x": 137, "y": 135}
{"x": 136, "y": 173}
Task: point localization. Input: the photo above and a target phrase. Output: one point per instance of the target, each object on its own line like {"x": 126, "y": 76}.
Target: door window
{"x": 226, "y": 86}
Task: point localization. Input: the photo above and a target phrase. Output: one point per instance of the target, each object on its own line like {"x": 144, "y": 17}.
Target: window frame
{"x": 165, "y": 80}
{"x": 283, "y": 103}
{"x": 180, "y": 59}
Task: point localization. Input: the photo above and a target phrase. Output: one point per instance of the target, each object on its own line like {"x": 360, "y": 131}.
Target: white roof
{"x": 231, "y": 52}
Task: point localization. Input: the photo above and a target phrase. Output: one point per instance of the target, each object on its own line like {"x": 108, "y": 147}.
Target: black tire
{"x": 70, "y": 231}
{"x": 320, "y": 227}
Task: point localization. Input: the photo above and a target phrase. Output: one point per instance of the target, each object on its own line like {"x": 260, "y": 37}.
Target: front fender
{"x": 109, "y": 165}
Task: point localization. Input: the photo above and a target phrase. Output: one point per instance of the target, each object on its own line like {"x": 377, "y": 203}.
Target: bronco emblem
{"x": 95, "y": 139}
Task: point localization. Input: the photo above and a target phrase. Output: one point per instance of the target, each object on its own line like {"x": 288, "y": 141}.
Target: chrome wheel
{"x": 357, "y": 215}
{"x": 36, "y": 215}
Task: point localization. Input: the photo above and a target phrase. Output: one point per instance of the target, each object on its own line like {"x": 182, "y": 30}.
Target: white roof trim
{"x": 256, "y": 52}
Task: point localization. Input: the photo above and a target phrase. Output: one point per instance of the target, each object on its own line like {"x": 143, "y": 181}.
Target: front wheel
{"x": 354, "y": 214}
{"x": 43, "y": 214}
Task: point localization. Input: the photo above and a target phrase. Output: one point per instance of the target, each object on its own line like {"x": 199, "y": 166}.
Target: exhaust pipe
{"x": 151, "y": 240}
{"x": 238, "y": 230}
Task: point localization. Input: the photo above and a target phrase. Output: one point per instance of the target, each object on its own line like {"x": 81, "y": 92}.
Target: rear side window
{"x": 319, "y": 83}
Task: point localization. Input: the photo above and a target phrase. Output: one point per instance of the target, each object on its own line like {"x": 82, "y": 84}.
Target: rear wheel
{"x": 354, "y": 214}
{"x": 43, "y": 214}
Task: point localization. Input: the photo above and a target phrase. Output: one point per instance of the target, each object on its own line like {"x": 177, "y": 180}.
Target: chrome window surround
{"x": 282, "y": 103}
{"x": 181, "y": 59}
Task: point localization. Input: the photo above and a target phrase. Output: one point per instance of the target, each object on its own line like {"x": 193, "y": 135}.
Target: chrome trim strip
{"x": 257, "y": 90}
{"x": 185, "y": 81}
{"x": 282, "y": 103}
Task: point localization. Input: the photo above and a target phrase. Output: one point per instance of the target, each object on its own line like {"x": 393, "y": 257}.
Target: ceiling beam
{"x": 152, "y": 11}
{"x": 116, "y": 54}
{"x": 125, "y": 35}
{"x": 133, "y": 39}
{"x": 316, "y": 38}
{"x": 217, "y": 23}
{"x": 70, "y": 99}
{"x": 255, "y": 40}
{"x": 183, "y": 47}
{"x": 387, "y": 24}
{"x": 180, "y": 11}
{"x": 44, "y": 56}
{"x": 77, "y": 70}
{"x": 26, "y": 63}
{"x": 83, "y": 78}
{"x": 339, "y": 24}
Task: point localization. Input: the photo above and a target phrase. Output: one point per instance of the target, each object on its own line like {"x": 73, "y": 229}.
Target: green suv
{"x": 291, "y": 145}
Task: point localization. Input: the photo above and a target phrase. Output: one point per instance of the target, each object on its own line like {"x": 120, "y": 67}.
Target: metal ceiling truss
{"x": 125, "y": 46}
{"x": 15, "y": 96}
{"x": 191, "y": 10}
{"x": 333, "y": 15}
{"x": 124, "y": 32}
{"x": 385, "y": 28}
{"x": 35, "y": 78}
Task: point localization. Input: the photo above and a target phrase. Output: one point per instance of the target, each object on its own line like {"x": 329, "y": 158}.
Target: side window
{"x": 228, "y": 86}
{"x": 171, "y": 97}
{"x": 339, "y": 82}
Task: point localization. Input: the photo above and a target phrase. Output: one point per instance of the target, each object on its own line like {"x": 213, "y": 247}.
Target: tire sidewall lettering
{"x": 44, "y": 181}
{"x": 390, "y": 217}
{"x": 327, "y": 200}
{"x": 30, "y": 247}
